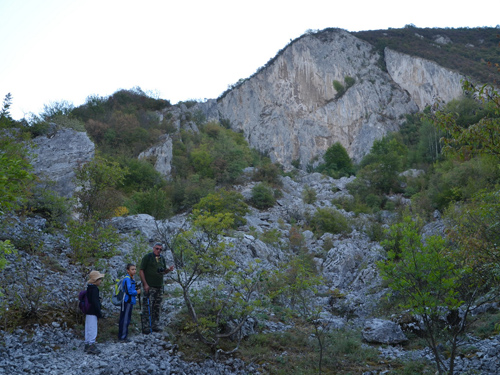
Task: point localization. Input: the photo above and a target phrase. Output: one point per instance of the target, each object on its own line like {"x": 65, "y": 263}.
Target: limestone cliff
{"x": 291, "y": 110}
{"x": 424, "y": 80}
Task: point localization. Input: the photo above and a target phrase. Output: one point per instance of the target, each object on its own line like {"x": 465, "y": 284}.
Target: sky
{"x": 67, "y": 50}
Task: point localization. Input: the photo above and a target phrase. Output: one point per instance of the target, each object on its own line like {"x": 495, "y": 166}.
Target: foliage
{"x": 379, "y": 173}
{"x": 309, "y": 195}
{"x": 6, "y": 120}
{"x": 15, "y": 173}
{"x": 329, "y": 220}
{"x": 226, "y": 202}
{"x": 155, "y": 202}
{"x": 482, "y": 135}
{"x": 45, "y": 202}
{"x": 90, "y": 236}
{"x": 6, "y": 248}
{"x": 91, "y": 241}
{"x": 219, "y": 310}
{"x": 140, "y": 175}
{"x": 268, "y": 173}
{"x": 475, "y": 226}
{"x": 96, "y": 191}
{"x": 262, "y": 196}
{"x": 434, "y": 283}
{"x": 454, "y": 181}
{"x": 337, "y": 162}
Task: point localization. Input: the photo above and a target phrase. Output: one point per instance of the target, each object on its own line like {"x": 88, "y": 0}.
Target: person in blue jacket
{"x": 128, "y": 303}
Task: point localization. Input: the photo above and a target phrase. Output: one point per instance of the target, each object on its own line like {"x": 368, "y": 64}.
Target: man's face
{"x": 157, "y": 250}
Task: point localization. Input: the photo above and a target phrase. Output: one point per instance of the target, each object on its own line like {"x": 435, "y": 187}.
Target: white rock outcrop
{"x": 292, "y": 111}
{"x": 424, "y": 80}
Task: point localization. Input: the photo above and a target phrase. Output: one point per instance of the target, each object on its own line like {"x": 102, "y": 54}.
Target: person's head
{"x": 131, "y": 269}
{"x": 157, "y": 248}
{"x": 95, "y": 277}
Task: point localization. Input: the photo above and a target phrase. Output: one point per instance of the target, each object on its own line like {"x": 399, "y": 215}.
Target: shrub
{"x": 337, "y": 162}
{"x": 262, "y": 196}
{"x": 154, "y": 202}
{"x": 268, "y": 173}
{"x": 225, "y": 201}
{"x": 309, "y": 195}
{"x": 339, "y": 87}
{"x": 329, "y": 220}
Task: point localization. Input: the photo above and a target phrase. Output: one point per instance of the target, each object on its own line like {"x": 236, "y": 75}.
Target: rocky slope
{"x": 347, "y": 262}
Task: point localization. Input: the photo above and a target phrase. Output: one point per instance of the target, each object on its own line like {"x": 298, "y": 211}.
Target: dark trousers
{"x": 125, "y": 316}
{"x": 151, "y": 305}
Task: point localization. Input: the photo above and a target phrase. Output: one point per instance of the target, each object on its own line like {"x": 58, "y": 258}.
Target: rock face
{"x": 56, "y": 158}
{"x": 291, "y": 108}
{"x": 162, "y": 155}
{"x": 424, "y": 80}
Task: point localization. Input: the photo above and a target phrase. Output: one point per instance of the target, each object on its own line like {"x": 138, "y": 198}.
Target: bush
{"x": 268, "y": 173}
{"x": 337, "y": 162}
{"x": 329, "y": 220}
{"x": 309, "y": 195}
{"x": 154, "y": 202}
{"x": 262, "y": 196}
{"x": 225, "y": 201}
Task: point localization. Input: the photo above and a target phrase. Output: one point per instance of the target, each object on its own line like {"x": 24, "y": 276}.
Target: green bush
{"x": 329, "y": 220}
{"x": 337, "y": 162}
{"x": 154, "y": 202}
{"x": 225, "y": 201}
{"x": 309, "y": 195}
{"x": 268, "y": 172}
{"x": 339, "y": 87}
{"x": 262, "y": 196}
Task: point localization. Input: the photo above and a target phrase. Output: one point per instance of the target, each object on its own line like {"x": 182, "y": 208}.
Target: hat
{"x": 94, "y": 276}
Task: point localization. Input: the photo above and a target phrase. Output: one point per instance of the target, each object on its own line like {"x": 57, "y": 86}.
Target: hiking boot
{"x": 93, "y": 349}
{"x": 86, "y": 348}
{"x": 124, "y": 340}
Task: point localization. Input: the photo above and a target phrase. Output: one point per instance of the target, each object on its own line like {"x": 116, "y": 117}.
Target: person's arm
{"x": 130, "y": 287}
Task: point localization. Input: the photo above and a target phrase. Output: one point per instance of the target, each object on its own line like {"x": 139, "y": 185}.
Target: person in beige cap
{"x": 95, "y": 279}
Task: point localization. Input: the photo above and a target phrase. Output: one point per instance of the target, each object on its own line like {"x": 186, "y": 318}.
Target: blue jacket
{"x": 129, "y": 288}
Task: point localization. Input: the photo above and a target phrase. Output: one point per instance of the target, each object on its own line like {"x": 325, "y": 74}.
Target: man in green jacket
{"x": 153, "y": 268}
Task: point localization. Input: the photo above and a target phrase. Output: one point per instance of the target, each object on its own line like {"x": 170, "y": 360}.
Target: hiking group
{"x": 151, "y": 271}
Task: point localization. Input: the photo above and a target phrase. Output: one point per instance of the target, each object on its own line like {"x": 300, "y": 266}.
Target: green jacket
{"x": 150, "y": 265}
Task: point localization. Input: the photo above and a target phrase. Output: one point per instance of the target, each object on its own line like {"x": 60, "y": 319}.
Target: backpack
{"x": 119, "y": 292}
{"x": 84, "y": 303}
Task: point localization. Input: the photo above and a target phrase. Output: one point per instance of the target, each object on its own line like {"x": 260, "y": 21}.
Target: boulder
{"x": 383, "y": 332}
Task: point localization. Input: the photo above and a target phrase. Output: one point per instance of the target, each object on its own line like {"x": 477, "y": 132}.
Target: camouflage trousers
{"x": 151, "y": 306}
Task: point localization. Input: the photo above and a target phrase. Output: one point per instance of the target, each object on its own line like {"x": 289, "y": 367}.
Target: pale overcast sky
{"x": 54, "y": 50}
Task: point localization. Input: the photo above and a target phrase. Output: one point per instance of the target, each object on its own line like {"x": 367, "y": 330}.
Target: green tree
{"x": 5, "y": 118}
{"x": 91, "y": 237}
{"x": 201, "y": 255}
{"x": 337, "y": 162}
{"x": 96, "y": 191}
{"x": 436, "y": 284}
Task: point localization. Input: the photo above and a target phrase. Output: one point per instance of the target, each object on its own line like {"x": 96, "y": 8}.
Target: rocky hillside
{"x": 346, "y": 261}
